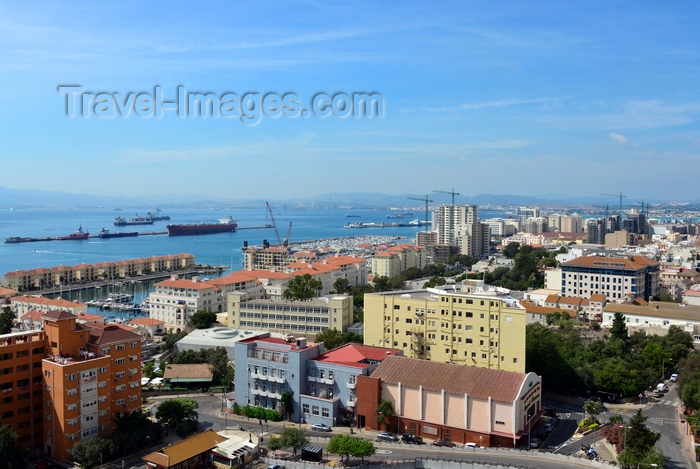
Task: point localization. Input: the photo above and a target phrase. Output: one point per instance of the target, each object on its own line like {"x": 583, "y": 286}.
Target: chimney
{"x": 301, "y": 342}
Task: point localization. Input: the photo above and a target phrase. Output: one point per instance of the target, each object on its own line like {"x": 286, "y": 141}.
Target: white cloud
{"x": 617, "y": 138}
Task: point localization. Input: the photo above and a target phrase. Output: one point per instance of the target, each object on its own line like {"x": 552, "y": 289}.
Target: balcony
{"x": 277, "y": 379}
{"x": 274, "y": 395}
{"x": 259, "y": 392}
{"x": 313, "y": 379}
{"x": 352, "y": 385}
{"x": 352, "y": 401}
{"x": 326, "y": 380}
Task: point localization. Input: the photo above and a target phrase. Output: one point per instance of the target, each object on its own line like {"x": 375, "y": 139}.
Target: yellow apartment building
{"x": 447, "y": 325}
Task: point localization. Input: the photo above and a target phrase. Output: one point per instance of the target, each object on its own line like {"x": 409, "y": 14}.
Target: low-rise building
{"x": 656, "y": 315}
{"x": 454, "y": 403}
{"x": 24, "y": 304}
{"x": 290, "y": 316}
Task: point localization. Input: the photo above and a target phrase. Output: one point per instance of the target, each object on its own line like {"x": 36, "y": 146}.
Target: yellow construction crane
{"x": 452, "y": 213}
{"x": 426, "y": 200}
{"x": 620, "y": 196}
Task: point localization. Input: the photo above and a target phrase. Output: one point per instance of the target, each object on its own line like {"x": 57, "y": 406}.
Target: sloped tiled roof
{"x": 109, "y": 334}
{"x": 146, "y": 322}
{"x": 356, "y": 355}
{"x": 186, "y": 449}
{"x": 481, "y": 383}
{"x": 191, "y": 371}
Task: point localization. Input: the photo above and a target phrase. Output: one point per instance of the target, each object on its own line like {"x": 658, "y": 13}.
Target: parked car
{"x": 410, "y": 438}
{"x": 384, "y": 436}
{"x": 447, "y": 444}
{"x": 275, "y": 466}
{"x": 471, "y": 445}
{"x": 535, "y": 443}
{"x": 320, "y": 427}
{"x": 555, "y": 421}
{"x": 550, "y": 412}
{"x": 674, "y": 377}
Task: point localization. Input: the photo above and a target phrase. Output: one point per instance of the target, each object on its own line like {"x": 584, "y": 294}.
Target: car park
{"x": 444, "y": 443}
{"x": 410, "y": 438}
{"x": 320, "y": 427}
{"x": 384, "y": 436}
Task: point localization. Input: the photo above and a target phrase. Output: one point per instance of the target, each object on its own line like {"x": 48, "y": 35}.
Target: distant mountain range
{"x": 14, "y": 198}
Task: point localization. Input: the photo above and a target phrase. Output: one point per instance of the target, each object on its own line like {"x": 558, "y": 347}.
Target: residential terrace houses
{"x": 26, "y": 280}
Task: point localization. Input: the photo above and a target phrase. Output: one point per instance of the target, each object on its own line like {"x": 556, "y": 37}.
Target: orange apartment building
{"x": 74, "y": 378}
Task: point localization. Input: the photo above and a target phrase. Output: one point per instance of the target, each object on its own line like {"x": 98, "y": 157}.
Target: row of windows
{"x": 280, "y": 317}
{"x": 290, "y": 327}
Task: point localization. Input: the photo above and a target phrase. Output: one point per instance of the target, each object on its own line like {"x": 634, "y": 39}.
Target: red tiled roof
{"x": 109, "y": 334}
{"x": 186, "y": 284}
{"x": 146, "y": 322}
{"x": 357, "y": 355}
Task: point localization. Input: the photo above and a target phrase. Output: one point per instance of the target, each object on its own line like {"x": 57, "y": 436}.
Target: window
{"x": 70, "y": 407}
{"x": 72, "y": 422}
{"x": 121, "y": 401}
{"x": 515, "y": 360}
{"x": 305, "y": 408}
{"x": 483, "y": 356}
{"x": 120, "y": 361}
{"x": 102, "y": 369}
{"x": 324, "y": 412}
{"x": 120, "y": 347}
{"x": 120, "y": 374}
{"x": 72, "y": 377}
{"x": 133, "y": 344}
{"x": 72, "y": 392}
{"x": 314, "y": 410}
{"x": 121, "y": 387}
{"x": 102, "y": 384}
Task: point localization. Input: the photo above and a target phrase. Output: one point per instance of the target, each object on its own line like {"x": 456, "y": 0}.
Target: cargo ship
{"x": 225, "y": 225}
{"x": 79, "y": 234}
{"x": 137, "y": 220}
{"x": 156, "y": 217}
{"x": 105, "y": 234}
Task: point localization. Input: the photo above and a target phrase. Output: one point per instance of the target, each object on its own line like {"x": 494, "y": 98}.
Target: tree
{"x": 435, "y": 282}
{"x": 385, "y": 412}
{"x": 619, "y": 327}
{"x": 295, "y": 438}
{"x": 331, "y": 338}
{"x": 174, "y": 411}
{"x": 381, "y": 283}
{"x": 362, "y": 448}
{"x": 134, "y": 430}
{"x": 275, "y": 444}
{"x": 592, "y": 408}
{"x": 12, "y": 454}
{"x": 341, "y": 445}
{"x": 341, "y": 285}
{"x": 6, "y": 320}
{"x": 302, "y": 287}
{"x": 170, "y": 339}
{"x": 202, "y": 319}
{"x": 639, "y": 443}
{"x": 93, "y": 452}
{"x": 511, "y": 250}
{"x": 287, "y": 403}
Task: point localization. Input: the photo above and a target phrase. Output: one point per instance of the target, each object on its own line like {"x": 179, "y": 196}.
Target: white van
{"x": 661, "y": 387}
{"x": 674, "y": 377}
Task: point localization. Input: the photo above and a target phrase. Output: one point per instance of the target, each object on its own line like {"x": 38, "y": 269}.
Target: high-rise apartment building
{"x": 65, "y": 384}
{"x": 459, "y": 225}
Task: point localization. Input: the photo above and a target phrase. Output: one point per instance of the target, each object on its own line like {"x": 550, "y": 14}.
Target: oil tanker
{"x": 225, "y": 225}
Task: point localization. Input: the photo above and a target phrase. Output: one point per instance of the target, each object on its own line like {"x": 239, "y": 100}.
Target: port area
{"x": 18, "y": 239}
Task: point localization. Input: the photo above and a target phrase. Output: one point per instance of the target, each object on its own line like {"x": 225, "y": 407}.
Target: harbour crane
{"x": 274, "y": 224}
{"x": 426, "y": 200}
{"x": 452, "y": 212}
{"x": 620, "y": 196}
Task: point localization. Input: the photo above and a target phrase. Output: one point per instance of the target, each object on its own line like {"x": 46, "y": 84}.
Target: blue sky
{"x": 530, "y": 98}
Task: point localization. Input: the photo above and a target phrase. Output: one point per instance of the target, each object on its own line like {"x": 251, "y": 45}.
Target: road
{"x": 662, "y": 418}
{"x": 661, "y": 415}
